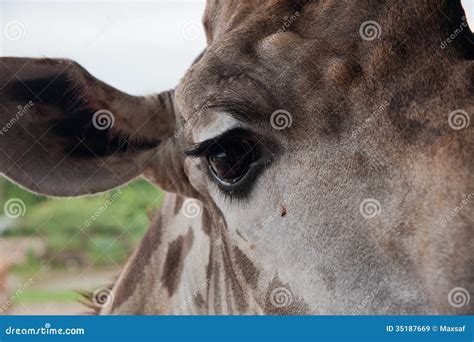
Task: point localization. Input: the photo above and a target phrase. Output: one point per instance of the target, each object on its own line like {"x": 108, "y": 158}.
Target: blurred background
{"x": 50, "y": 249}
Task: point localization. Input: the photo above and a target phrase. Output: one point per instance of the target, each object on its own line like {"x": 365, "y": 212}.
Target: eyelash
{"x": 200, "y": 150}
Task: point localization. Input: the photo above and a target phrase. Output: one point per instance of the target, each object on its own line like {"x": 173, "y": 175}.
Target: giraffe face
{"x": 309, "y": 154}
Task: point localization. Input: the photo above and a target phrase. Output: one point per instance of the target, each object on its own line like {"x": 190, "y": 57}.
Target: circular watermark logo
{"x": 192, "y": 30}
{"x": 370, "y": 30}
{"x": 281, "y": 119}
{"x": 14, "y": 30}
{"x": 459, "y": 119}
{"x": 192, "y": 208}
{"x": 14, "y": 208}
{"x": 281, "y": 297}
{"x": 103, "y": 297}
{"x": 370, "y": 208}
{"x": 458, "y": 297}
{"x": 103, "y": 119}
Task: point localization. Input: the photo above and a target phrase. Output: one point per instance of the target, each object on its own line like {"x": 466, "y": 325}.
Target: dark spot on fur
{"x": 177, "y": 252}
{"x": 283, "y": 210}
{"x": 247, "y": 267}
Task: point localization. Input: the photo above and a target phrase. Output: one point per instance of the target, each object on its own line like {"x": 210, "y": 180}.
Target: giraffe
{"x": 317, "y": 159}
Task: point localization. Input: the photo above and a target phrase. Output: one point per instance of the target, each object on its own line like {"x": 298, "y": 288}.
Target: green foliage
{"x": 32, "y": 296}
{"x": 94, "y": 230}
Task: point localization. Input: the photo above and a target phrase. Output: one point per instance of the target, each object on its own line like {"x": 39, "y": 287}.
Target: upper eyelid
{"x": 218, "y": 124}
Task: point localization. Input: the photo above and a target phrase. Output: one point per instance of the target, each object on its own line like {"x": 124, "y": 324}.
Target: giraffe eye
{"x": 230, "y": 159}
{"x": 235, "y": 159}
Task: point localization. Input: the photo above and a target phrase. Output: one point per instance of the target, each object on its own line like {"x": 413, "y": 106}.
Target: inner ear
{"x": 85, "y": 126}
{"x": 65, "y": 133}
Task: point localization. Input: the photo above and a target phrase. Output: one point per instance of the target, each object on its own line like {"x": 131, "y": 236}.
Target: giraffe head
{"x": 327, "y": 143}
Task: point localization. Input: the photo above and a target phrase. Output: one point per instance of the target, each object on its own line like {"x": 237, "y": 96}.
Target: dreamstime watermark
{"x": 14, "y": 30}
{"x": 459, "y": 119}
{"x": 453, "y": 213}
{"x": 378, "y": 110}
{"x": 192, "y": 30}
{"x": 103, "y": 297}
{"x": 103, "y": 208}
{"x": 191, "y": 121}
{"x": 281, "y": 119}
{"x": 103, "y": 119}
{"x": 458, "y": 297}
{"x": 47, "y": 329}
{"x": 288, "y": 22}
{"x": 14, "y": 208}
{"x": 22, "y": 110}
{"x": 458, "y": 31}
{"x": 192, "y": 208}
{"x": 281, "y": 297}
{"x": 370, "y": 30}
{"x": 370, "y": 208}
{"x": 369, "y": 298}
{"x": 16, "y": 295}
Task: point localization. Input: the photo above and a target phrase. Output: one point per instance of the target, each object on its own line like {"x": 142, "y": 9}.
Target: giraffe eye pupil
{"x": 230, "y": 160}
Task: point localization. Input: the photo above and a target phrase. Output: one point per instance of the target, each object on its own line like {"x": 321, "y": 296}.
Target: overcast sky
{"x": 137, "y": 46}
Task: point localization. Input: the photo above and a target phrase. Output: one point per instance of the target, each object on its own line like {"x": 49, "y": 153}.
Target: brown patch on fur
{"x": 206, "y": 222}
{"x": 200, "y": 302}
{"x": 177, "y": 252}
{"x": 247, "y": 267}
{"x": 178, "y": 204}
{"x": 232, "y": 278}
{"x": 148, "y": 245}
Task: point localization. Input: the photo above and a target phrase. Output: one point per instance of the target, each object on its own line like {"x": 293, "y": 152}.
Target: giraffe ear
{"x": 65, "y": 133}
